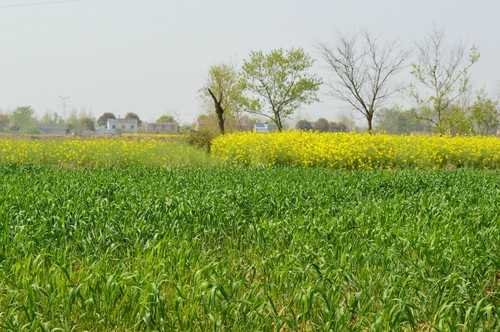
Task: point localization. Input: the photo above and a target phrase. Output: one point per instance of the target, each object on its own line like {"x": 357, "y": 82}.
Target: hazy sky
{"x": 151, "y": 56}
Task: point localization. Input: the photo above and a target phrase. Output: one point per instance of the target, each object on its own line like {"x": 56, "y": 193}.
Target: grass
{"x": 268, "y": 249}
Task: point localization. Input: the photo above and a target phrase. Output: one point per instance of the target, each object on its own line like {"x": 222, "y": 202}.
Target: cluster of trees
{"x": 272, "y": 85}
{"x": 478, "y": 117}
{"x": 22, "y": 119}
{"x": 323, "y": 125}
{"x": 363, "y": 69}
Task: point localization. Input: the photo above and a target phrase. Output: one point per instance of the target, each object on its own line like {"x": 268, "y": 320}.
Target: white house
{"x": 122, "y": 125}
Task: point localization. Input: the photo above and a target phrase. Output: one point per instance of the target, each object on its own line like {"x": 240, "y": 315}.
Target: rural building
{"x": 53, "y": 129}
{"x": 204, "y": 122}
{"x": 260, "y": 128}
{"x": 162, "y": 128}
{"x": 122, "y": 125}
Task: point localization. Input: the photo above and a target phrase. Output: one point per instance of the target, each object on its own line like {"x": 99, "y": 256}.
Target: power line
{"x": 64, "y": 106}
{"x": 38, "y": 3}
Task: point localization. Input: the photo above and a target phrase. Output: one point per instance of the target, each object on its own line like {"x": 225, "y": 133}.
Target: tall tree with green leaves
{"x": 484, "y": 114}
{"x": 441, "y": 77}
{"x": 397, "y": 120}
{"x": 132, "y": 115}
{"x": 51, "y": 117}
{"x": 103, "y": 119}
{"x": 278, "y": 83}
{"x": 86, "y": 124}
{"x": 322, "y": 125}
{"x": 224, "y": 92}
{"x": 23, "y": 119}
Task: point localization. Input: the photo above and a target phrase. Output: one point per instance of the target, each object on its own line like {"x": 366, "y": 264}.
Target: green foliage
{"x": 51, "y": 118}
{"x": 441, "y": 77}
{"x": 23, "y": 119}
{"x": 165, "y": 118}
{"x": 303, "y": 125}
{"x": 202, "y": 138}
{"x": 223, "y": 81}
{"x": 484, "y": 115}
{"x": 231, "y": 249}
{"x": 337, "y": 127}
{"x": 277, "y": 83}
{"x": 87, "y": 124}
{"x": 222, "y": 94}
{"x": 322, "y": 125}
{"x": 396, "y": 120}
{"x": 103, "y": 119}
{"x": 81, "y": 121}
{"x": 131, "y": 115}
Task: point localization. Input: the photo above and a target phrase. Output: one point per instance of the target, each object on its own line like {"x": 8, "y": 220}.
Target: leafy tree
{"x": 103, "y": 119}
{"x": 484, "y": 114}
{"x": 396, "y": 120}
{"x": 73, "y": 120}
{"x": 441, "y": 77}
{"x": 338, "y": 127}
{"x": 277, "y": 83}
{"x": 4, "y": 121}
{"x": 345, "y": 122}
{"x": 303, "y": 125}
{"x": 224, "y": 90}
{"x": 165, "y": 118}
{"x": 131, "y": 115}
{"x": 322, "y": 125}
{"x": 87, "y": 124}
{"x": 363, "y": 68}
{"x": 51, "y": 117}
{"x": 23, "y": 119}
{"x": 81, "y": 121}
{"x": 186, "y": 128}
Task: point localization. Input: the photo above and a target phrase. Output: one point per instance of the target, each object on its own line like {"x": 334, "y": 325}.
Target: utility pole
{"x": 64, "y": 106}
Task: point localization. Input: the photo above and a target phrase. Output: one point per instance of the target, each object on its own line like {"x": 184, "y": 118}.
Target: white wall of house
{"x": 122, "y": 125}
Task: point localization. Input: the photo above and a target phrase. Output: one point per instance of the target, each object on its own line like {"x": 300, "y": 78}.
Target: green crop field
{"x": 248, "y": 249}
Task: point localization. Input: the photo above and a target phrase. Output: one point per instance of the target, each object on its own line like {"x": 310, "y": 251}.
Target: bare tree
{"x": 363, "y": 67}
{"x": 441, "y": 77}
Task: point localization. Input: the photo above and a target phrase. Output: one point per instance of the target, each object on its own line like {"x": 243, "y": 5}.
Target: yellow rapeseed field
{"x": 99, "y": 152}
{"x": 358, "y": 151}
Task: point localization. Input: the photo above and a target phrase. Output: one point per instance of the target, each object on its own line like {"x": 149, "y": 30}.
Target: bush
{"x": 202, "y": 139}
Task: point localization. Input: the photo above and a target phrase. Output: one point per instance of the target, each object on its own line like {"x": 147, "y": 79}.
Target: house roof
{"x": 163, "y": 124}
{"x": 52, "y": 126}
{"x": 123, "y": 121}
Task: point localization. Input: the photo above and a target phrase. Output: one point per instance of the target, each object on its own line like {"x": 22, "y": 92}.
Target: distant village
{"x": 112, "y": 127}
{"x": 23, "y": 121}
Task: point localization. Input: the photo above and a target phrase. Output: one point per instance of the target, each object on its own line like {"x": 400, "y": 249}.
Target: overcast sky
{"x": 151, "y": 56}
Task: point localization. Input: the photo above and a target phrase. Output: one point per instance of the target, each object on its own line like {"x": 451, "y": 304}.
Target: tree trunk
{"x": 369, "y": 118}
{"x": 219, "y": 111}
{"x": 277, "y": 119}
